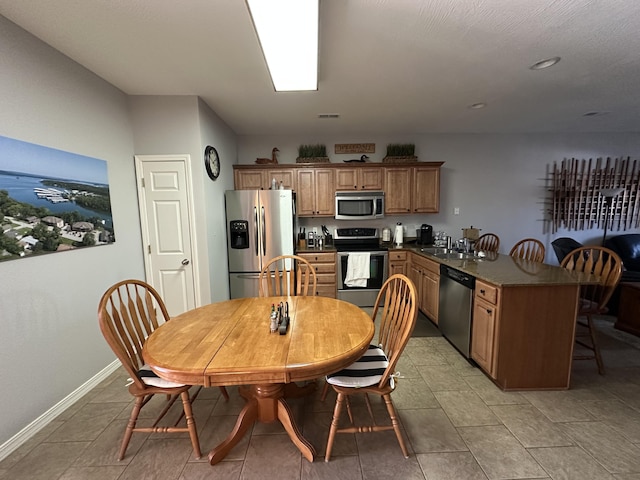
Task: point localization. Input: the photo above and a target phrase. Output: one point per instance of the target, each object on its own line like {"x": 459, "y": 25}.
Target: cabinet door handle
{"x": 482, "y": 291}
{"x": 489, "y": 311}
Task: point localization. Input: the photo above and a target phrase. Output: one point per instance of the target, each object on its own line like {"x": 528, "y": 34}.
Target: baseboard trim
{"x": 43, "y": 420}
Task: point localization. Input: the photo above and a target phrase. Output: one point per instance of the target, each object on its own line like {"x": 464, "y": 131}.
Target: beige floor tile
{"x": 407, "y": 368}
{"x": 340, "y": 467}
{"x": 492, "y": 395}
{"x": 227, "y": 470}
{"x": 606, "y": 445}
{"x": 627, "y": 476}
{"x": 105, "y": 448}
{"x": 381, "y": 457}
{"x": 442, "y": 377}
{"x": 30, "y": 444}
{"x": 500, "y": 454}
{"x": 316, "y": 431}
{"x": 161, "y": 459}
{"x": 110, "y": 472}
{"x": 272, "y": 456}
{"x": 430, "y": 430}
{"x": 531, "y": 427}
{"x": 87, "y": 423}
{"x": 47, "y": 461}
{"x": 450, "y": 466}
{"x": 558, "y": 407}
{"x": 570, "y": 463}
{"x": 411, "y": 393}
{"x": 465, "y": 408}
{"x": 424, "y": 355}
{"x": 618, "y": 416}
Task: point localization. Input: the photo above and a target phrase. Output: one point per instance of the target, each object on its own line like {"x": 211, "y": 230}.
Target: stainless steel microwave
{"x": 359, "y": 205}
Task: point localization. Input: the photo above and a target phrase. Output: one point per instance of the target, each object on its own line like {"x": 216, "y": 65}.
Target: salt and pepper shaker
{"x": 273, "y": 326}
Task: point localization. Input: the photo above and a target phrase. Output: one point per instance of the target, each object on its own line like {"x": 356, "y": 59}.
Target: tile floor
{"x": 458, "y": 425}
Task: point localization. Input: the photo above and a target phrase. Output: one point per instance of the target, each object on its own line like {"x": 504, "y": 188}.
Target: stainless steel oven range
{"x": 351, "y": 242}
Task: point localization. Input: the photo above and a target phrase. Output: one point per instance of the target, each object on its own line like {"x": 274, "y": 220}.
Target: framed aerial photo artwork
{"x": 51, "y": 201}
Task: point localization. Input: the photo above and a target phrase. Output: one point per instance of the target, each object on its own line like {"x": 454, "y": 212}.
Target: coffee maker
{"x": 424, "y": 235}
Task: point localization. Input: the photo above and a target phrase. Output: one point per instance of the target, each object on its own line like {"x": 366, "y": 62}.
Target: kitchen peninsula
{"x": 523, "y": 322}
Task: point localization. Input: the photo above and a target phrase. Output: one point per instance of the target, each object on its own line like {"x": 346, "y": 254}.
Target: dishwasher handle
{"x": 458, "y": 276}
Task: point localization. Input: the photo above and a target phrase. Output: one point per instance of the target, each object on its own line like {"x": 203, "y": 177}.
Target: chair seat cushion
{"x": 150, "y": 378}
{"x": 366, "y": 371}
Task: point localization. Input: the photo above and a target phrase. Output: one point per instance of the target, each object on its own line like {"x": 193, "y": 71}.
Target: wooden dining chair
{"x": 529, "y": 249}
{"x": 374, "y": 372}
{"x": 128, "y": 313}
{"x": 607, "y": 266}
{"x": 287, "y": 275}
{"x": 489, "y": 242}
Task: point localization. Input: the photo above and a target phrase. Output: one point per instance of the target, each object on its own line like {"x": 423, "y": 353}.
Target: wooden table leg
{"x": 266, "y": 404}
{"x": 247, "y": 416}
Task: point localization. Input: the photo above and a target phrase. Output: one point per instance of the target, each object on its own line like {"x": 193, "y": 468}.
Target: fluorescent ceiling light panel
{"x": 288, "y": 32}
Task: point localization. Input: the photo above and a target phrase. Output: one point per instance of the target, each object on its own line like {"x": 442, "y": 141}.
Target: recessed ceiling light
{"x": 476, "y": 106}
{"x": 328, "y": 115}
{"x": 542, "y": 64}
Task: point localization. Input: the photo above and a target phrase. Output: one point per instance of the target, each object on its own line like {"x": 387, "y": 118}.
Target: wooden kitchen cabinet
{"x": 425, "y": 274}
{"x": 412, "y": 189}
{"x": 260, "y": 179}
{"x": 397, "y": 262}
{"x": 359, "y": 178}
{"x": 522, "y": 335}
{"x": 325, "y": 266}
{"x": 315, "y": 192}
{"x": 485, "y": 314}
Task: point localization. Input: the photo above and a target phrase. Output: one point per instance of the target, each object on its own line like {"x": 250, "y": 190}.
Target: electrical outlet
{"x": 456, "y": 211}
{"x": 315, "y": 231}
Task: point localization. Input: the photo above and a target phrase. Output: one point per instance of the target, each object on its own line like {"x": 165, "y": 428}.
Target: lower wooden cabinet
{"x": 522, "y": 335}
{"x": 397, "y": 262}
{"x": 425, "y": 274}
{"x": 325, "y": 265}
{"x": 485, "y": 314}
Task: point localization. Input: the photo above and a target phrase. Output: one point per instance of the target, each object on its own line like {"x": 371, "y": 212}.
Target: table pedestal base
{"x": 266, "y": 403}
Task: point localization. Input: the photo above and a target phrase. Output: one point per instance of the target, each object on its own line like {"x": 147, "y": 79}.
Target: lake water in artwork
{"x": 23, "y": 187}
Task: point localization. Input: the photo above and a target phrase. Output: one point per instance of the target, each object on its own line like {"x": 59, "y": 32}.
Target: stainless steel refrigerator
{"x": 260, "y": 226}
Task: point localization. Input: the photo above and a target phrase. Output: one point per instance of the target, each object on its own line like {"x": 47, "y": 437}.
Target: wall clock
{"x": 212, "y": 162}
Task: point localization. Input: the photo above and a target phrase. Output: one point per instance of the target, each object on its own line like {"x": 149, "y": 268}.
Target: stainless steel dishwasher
{"x": 455, "y": 307}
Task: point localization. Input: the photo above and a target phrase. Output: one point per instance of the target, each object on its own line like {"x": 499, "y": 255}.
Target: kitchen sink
{"x": 434, "y": 250}
{"x": 455, "y": 255}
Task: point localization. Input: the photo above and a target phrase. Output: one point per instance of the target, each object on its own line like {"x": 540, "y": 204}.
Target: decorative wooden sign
{"x": 355, "y": 148}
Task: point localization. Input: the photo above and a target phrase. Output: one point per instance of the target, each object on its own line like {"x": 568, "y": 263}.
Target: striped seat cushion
{"x": 366, "y": 371}
{"x": 150, "y": 378}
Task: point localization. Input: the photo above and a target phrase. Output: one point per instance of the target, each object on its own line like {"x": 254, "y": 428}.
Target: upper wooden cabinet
{"x": 359, "y": 178}
{"x": 316, "y": 192}
{"x": 409, "y": 188}
{"x": 260, "y": 179}
{"x": 412, "y": 189}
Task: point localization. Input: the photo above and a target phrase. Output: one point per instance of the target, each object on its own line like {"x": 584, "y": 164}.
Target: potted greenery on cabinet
{"x": 312, "y": 154}
{"x": 400, "y": 153}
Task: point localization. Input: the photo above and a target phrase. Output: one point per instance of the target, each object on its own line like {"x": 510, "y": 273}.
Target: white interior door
{"x": 164, "y": 196}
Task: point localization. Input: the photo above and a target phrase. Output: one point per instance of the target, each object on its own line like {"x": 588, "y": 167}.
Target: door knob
{"x": 185, "y": 262}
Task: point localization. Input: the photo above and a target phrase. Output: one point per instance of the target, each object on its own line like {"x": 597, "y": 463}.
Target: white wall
{"x": 50, "y": 342}
{"x": 215, "y": 132}
{"x": 497, "y": 181}
{"x": 185, "y": 125}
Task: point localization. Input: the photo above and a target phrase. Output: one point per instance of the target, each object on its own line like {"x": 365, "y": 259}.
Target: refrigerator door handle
{"x": 264, "y": 234}
{"x": 249, "y": 275}
{"x": 255, "y": 229}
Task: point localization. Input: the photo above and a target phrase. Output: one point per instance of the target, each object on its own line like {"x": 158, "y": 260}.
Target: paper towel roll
{"x": 399, "y": 235}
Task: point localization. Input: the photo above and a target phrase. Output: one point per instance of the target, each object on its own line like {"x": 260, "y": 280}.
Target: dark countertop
{"x": 505, "y": 271}
{"x": 324, "y": 249}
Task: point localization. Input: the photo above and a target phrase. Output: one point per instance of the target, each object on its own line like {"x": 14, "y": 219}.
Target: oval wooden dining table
{"x": 229, "y": 343}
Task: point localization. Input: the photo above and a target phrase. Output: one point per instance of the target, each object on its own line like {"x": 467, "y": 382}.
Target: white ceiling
{"x": 386, "y": 66}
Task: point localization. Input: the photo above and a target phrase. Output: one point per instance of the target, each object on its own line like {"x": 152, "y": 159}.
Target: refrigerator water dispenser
{"x": 239, "y": 233}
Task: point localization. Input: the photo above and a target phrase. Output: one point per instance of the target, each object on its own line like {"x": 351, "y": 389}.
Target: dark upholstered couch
{"x": 627, "y": 246}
